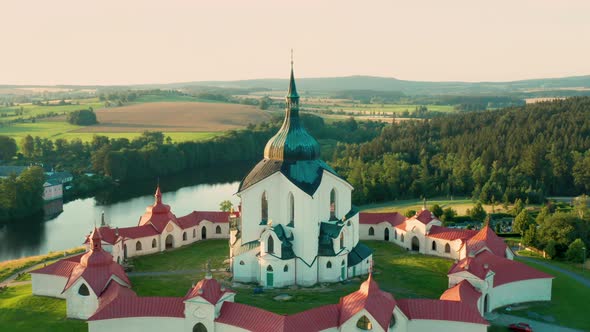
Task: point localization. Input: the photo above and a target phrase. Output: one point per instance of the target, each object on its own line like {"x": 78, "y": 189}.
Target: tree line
{"x": 525, "y": 153}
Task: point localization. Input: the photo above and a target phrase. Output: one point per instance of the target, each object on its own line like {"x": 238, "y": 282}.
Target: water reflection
{"x": 123, "y": 205}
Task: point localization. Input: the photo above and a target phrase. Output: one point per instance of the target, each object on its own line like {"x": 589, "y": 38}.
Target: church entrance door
{"x": 169, "y": 241}
{"x": 343, "y": 272}
{"x": 386, "y": 235}
{"x": 269, "y": 279}
{"x": 203, "y": 233}
{"x": 415, "y": 244}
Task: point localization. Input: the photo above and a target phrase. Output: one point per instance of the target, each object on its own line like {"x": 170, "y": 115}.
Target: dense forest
{"x": 524, "y": 152}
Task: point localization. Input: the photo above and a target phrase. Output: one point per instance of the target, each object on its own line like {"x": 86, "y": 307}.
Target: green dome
{"x": 292, "y": 142}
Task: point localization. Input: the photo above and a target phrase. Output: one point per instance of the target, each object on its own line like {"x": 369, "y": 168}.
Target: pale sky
{"x": 149, "y": 41}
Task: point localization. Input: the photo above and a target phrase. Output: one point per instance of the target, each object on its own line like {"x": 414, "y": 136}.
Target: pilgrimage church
{"x": 295, "y": 226}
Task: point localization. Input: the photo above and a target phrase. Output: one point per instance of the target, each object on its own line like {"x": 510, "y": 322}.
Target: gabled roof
{"x": 158, "y": 215}
{"x": 440, "y": 310}
{"x": 358, "y": 254}
{"x": 504, "y": 269}
{"x": 369, "y": 297}
{"x": 486, "y": 238}
{"x": 194, "y": 218}
{"x": 328, "y": 232}
{"x": 286, "y": 245}
{"x": 208, "y": 289}
{"x": 96, "y": 267}
{"x": 462, "y": 292}
{"x": 424, "y": 216}
{"x": 120, "y": 302}
{"x": 393, "y": 218}
{"x": 450, "y": 234}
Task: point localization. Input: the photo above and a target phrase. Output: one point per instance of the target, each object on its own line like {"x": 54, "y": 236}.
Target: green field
{"x": 30, "y": 110}
{"x": 155, "y": 98}
{"x": 54, "y": 130}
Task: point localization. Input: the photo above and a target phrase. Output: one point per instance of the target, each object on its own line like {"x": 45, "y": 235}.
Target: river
{"x": 122, "y": 206}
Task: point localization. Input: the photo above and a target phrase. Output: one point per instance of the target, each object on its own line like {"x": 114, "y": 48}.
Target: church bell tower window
{"x": 264, "y": 207}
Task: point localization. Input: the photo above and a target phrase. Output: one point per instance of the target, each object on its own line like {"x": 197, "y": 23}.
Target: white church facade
{"x": 296, "y": 225}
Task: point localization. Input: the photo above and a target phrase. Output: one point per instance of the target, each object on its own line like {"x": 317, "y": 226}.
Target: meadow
{"x": 459, "y": 204}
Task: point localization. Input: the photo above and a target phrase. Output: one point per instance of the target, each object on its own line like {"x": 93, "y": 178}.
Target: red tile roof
{"x": 62, "y": 268}
{"x": 462, "y": 292}
{"x": 194, "y": 218}
{"x": 424, "y": 216}
{"x": 120, "y": 302}
{"x": 486, "y": 238}
{"x": 378, "y": 303}
{"x": 450, "y": 234}
{"x": 158, "y": 214}
{"x": 440, "y": 310}
{"x": 505, "y": 270}
{"x": 316, "y": 319}
{"x": 250, "y": 318}
{"x": 393, "y": 218}
{"x": 96, "y": 267}
{"x": 208, "y": 289}
{"x": 136, "y": 232}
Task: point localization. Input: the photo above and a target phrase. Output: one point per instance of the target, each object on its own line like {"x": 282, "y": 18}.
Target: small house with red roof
{"x": 81, "y": 279}
{"x": 500, "y": 281}
{"x": 159, "y": 229}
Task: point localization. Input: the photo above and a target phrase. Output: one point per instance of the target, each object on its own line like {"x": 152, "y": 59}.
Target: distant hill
{"x": 407, "y": 87}
{"x": 564, "y": 86}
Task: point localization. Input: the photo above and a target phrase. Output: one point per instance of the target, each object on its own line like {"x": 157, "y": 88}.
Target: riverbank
{"x": 11, "y": 268}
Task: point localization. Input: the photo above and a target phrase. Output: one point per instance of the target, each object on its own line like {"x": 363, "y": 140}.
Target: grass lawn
{"x": 569, "y": 301}
{"x": 21, "y": 311}
{"x": 459, "y": 204}
{"x": 404, "y": 275}
{"x": 11, "y": 267}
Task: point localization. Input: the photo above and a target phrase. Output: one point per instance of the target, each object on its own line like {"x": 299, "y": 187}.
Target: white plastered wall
{"x": 519, "y": 292}
{"x": 138, "y": 324}
{"x": 421, "y": 325}
{"x": 48, "y": 285}
{"x": 78, "y": 306}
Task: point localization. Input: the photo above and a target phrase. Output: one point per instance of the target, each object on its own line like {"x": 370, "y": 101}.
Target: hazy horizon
{"x": 66, "y": 42}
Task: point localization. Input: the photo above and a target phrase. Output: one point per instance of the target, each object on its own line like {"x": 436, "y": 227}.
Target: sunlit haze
{"x": 139, "y": 41}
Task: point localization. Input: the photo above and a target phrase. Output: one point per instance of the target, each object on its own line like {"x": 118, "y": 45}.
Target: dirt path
{"x": 581, "y": 279}
{"x": 11, "y": 279}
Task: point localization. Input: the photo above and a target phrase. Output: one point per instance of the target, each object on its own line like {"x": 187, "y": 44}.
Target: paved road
{"x": 583, "y": 280}
{"x": 505, "y": 320}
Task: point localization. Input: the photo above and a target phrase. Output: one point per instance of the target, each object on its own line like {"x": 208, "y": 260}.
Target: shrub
{"x": 82, "y": 118}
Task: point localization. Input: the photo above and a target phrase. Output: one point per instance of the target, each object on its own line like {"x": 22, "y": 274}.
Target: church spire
{"x": 158, "y": 194}
{"x": 292, "y": 142}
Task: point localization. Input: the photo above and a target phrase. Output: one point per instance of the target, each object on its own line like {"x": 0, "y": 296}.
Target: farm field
{"x": 54, "y": 130}
{"x": 30, "y": 110}
{"x": 459, "y": 204}
{"x": 176, "y": 116}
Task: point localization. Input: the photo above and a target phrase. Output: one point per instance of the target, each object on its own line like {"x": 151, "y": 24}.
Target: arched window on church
{"x": 83, "y": 290}
{"x": 402, "y": 239}
{"x": 154, "y": 243}
{"x": 194, "y": 233}
{"x": 199, "y": 327}
{"x": 286, "y": 268}
{"x": 291, "y": 210}
{"x": 270, "y": 245}
{"x": 329, "y": 265}
{"x": 371, "y": 231}
{"x": 433, "y": 246}
{"x": 395, "y": 234}
{"x": 364, "y": 324}
{"x": 137, "y": 246}
{"x": 218, "y": 229}
{"x": 183, "y": 236}
{"x": 447, "y": 248}
{"x": 333, "y": 204}
{"x": 342, "y": 240}
{"x": 264, "y": 207}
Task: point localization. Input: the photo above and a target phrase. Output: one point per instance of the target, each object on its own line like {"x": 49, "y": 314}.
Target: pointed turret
{"x": 158, "y": 195}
